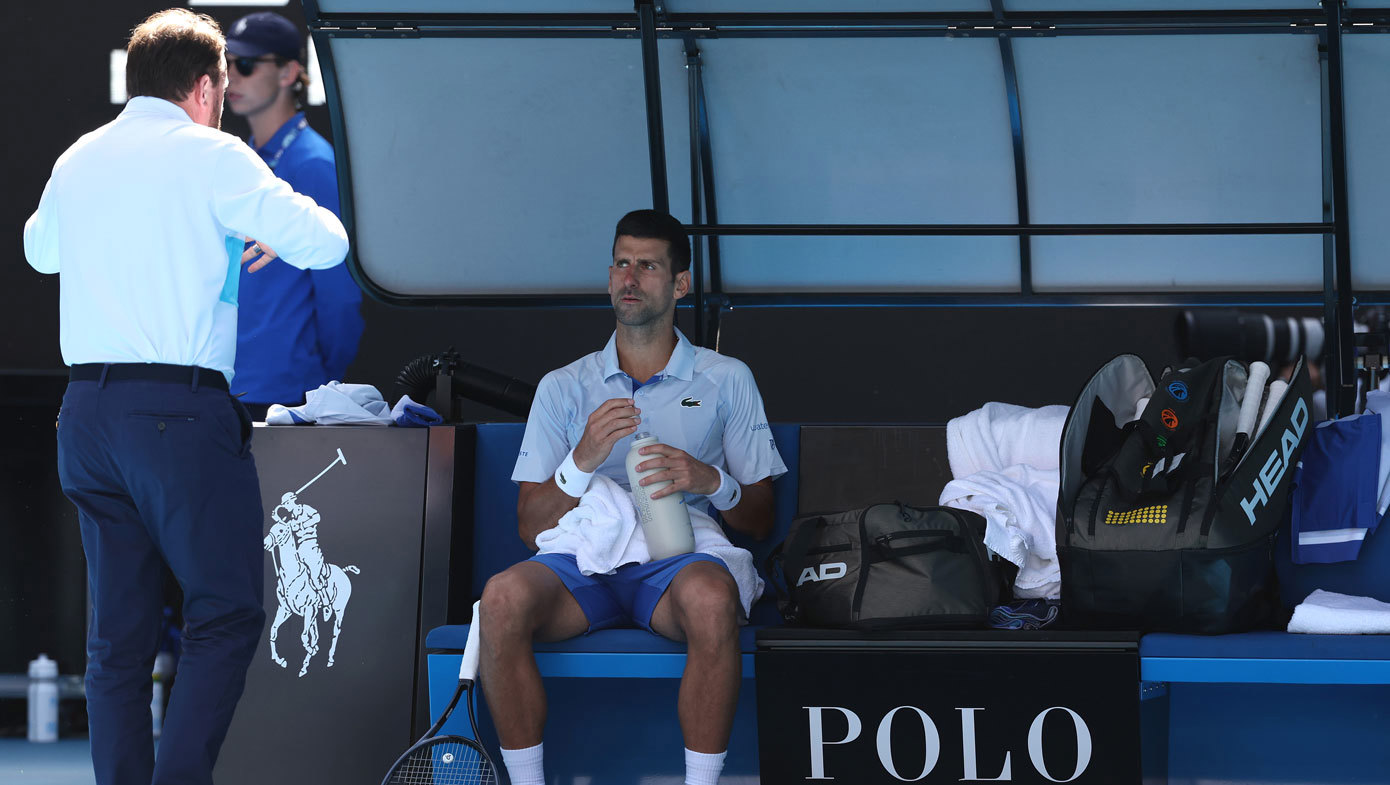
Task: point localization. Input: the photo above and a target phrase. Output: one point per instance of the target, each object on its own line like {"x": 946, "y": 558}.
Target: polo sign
{"x": 1026, "y": 707}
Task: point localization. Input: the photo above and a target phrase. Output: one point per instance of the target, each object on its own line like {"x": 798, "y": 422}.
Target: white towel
{"x": 1326, "y": 612}
{"x": 599, "y": 532}
{"x": 602, "y": 534}
{"x": 1005, "y": 462}
{"x": 1002, "y": 434}
{"x": 1019, "y": 505}
{"x": 335, "y": 403}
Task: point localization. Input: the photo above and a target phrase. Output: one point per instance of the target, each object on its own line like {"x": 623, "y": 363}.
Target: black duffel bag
{"x": 886, "y": 566}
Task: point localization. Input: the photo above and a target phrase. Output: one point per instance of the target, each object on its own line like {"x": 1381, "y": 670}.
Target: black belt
{"x": 191, "y": 375}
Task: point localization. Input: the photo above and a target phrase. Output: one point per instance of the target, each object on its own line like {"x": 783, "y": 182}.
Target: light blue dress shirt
{"x": 702, "y": 402}
{"x": 144, "y": 220}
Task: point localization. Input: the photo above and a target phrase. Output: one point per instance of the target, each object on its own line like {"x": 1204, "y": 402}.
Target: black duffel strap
{"x": 794, "y": 549}
{"x": 917, "y": 541}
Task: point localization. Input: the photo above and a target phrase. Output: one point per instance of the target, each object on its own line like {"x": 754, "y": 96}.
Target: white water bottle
{"x": 163, "y": 669}
{"x": 43, "y": 699}
{"x": 665, "y": 521}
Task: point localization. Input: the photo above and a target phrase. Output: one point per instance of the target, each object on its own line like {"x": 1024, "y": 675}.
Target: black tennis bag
{"x": 886, "y": 566}
{"x": 1167, "y": 522}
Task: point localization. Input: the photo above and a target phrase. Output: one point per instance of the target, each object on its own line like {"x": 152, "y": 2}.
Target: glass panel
{"x": 476, "y": 6}
{"x": 870, "y": 264}
{"x": 490, "y": 166}
{"x": 859, "y": 131}
{"x": 1183, "y": 129}
{"x": 821, "y": 6}
{"x": 1023, "y": 6}
{"x": 1367, "y": 60}
{"x": 1166, "y": 263}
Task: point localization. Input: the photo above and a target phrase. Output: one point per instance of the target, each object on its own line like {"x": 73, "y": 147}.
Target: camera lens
{"x": 1249, "y": 336}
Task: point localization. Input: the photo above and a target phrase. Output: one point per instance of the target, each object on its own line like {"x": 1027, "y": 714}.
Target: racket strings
{"x": 445, "y": 763}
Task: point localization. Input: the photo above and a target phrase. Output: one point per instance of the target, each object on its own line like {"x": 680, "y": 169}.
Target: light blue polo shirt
{"x": 701, "y": 402}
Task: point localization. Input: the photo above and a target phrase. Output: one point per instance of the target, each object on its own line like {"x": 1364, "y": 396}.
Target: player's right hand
{"x": 611, "y": 421}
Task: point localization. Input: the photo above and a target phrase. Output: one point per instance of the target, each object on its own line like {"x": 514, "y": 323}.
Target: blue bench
{"x": 1279, "y": 657}
{"x": 1240, "y": 668}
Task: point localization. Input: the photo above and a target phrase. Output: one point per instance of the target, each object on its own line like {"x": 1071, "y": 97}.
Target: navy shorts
{"x": 626, "y": 598}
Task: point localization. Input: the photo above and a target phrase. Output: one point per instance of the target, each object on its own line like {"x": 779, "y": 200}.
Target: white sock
{"x": 702, "y": 768}
{"x": 526, "y": 766}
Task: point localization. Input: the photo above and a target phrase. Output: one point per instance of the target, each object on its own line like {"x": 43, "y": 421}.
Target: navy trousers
{"x": 162, "y": 472}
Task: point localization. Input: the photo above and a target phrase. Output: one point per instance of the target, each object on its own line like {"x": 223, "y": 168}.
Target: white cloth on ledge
{"x": 1005, "y": 461}
{"x": 1329, "y": 613}
{"x": 602, "y": 534}
{"x": 335, "y": 403}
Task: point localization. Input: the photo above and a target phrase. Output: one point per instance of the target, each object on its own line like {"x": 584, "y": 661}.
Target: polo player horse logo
{"x": 304, "y": 583}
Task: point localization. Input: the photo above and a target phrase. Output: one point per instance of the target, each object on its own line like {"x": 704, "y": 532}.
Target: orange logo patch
{"x": 1170, "y": 419}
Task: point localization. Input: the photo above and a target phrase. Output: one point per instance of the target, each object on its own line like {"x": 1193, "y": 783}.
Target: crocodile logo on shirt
{"x": 689, "y": 402}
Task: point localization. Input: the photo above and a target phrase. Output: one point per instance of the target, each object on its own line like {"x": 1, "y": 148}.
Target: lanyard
{"x": 286, "y": 142}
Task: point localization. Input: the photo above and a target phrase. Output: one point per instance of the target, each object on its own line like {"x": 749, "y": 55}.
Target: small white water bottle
{"x": 43, "y": 699}
{"x": 163, "y": 668}
{"x": 665, "y": 521}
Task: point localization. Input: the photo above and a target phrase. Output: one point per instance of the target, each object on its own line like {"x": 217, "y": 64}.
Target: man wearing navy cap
{"x": 298, "y": 328}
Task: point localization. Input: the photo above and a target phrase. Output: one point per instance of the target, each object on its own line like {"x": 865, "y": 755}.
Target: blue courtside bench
{"x": 1279, "y": 657}
{"x": 1226, "y": 686}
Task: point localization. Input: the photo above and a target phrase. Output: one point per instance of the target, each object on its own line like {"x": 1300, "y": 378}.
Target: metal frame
{"x": 650, "y": 22}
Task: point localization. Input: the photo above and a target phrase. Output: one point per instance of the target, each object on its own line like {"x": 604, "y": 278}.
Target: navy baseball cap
{"x": 264, "y": 33}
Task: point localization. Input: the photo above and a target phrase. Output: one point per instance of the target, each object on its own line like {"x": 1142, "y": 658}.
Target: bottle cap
{"x": 43, "y": 668}
{"x": 643, "y": 435}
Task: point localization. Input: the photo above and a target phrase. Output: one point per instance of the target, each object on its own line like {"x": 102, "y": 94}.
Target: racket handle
{"x": 1250, "y": 404}
{"x": 1277, "y": 388}
{"x": 468, "y": 668}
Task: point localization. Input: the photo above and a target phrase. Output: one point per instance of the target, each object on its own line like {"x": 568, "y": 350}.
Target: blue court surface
{"x": 64, "y": 762}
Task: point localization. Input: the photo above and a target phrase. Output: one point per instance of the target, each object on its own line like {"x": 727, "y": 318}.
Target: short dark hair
{"x": 656, "y": 225}
{"x": 170, "y": 51}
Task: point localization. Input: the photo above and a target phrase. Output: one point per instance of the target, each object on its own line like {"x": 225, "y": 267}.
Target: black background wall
{"x": 920, "y": 365}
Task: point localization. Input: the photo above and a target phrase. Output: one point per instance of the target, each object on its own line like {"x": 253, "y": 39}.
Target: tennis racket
{"x": 449, "y": 760}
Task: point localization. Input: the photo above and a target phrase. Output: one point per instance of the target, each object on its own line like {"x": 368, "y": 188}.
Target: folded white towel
{"x": 1002, "y": 434}
{"x": 1325, "y": 612}
{"x": 1005, "y": 462}
{"x": 602, "y": 534}
{"x": 335, "y": 403}
{"x": 1019, "y": 505}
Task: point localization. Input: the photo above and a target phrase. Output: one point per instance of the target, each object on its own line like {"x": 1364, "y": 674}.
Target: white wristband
{"x": 729, "y": 493}
{"x": 570, "y": 479}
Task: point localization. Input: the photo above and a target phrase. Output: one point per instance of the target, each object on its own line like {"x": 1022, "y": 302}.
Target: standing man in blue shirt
{"x": 298, "y": 328}
{"x": 144, "y": 221}
{"x": 718, "y": 452}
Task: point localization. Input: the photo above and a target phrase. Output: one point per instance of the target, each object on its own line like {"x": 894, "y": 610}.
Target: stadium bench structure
{"x": 1209, "y": 701}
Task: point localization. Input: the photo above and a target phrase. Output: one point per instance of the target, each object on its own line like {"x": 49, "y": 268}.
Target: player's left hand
{"x": 254, "y": 250}
{"x": 684, "y": 472}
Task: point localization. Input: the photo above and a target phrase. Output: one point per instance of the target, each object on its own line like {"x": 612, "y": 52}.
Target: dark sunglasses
{"x": 246, "y": 65}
